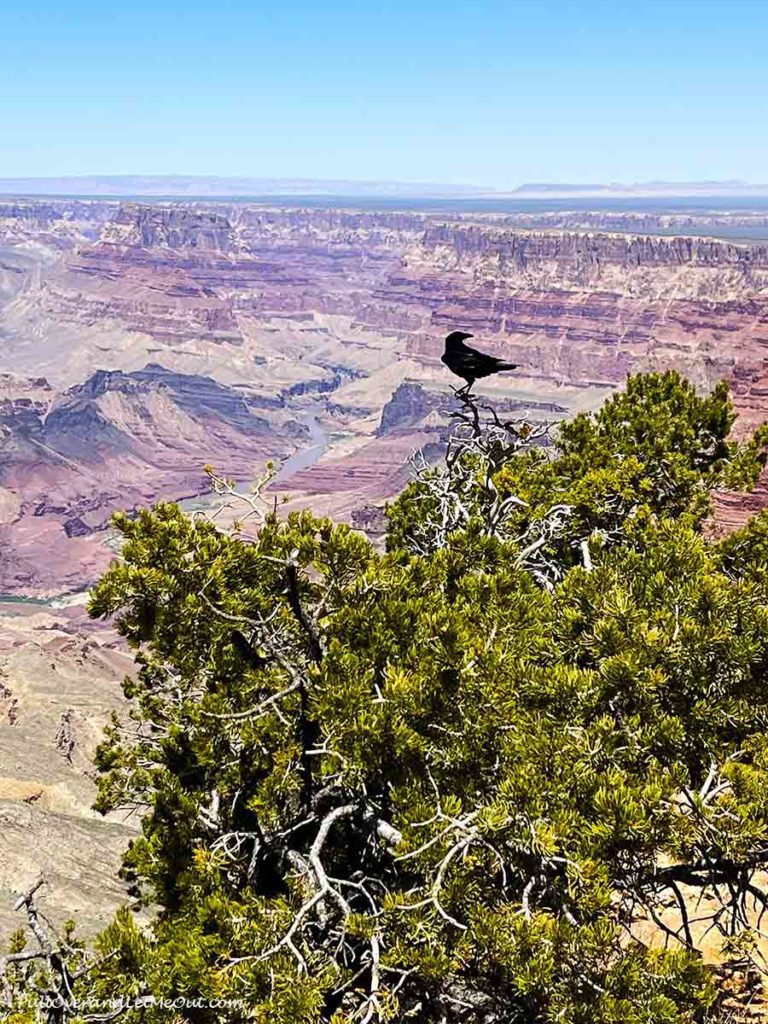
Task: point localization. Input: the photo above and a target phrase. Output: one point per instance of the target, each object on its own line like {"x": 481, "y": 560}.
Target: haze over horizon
{"x": 488, "y": 94}
{"x": 201, "y": 187}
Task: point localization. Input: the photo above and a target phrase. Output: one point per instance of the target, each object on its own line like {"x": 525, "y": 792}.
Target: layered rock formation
{"x": 119, "y": 440}
{"x": 327, "y": 311}
{"x": 742, "y": 224}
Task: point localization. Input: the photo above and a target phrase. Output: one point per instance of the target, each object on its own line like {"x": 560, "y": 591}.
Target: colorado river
{"x": 302, "y": 459}
{"x": 305, "y": 457}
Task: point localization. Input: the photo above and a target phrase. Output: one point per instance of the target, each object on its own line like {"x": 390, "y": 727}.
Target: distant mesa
{"x": 552, "y": 187}
{"x": 210, "y": 187}
{"x": 658, "y": 189}
{"x": 191, "y": 186}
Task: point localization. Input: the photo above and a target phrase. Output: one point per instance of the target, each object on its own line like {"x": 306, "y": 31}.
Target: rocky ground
{"x": 59, "y": 682}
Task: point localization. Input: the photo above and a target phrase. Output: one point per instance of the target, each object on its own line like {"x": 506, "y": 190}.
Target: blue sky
{"x": 493, "y": 92}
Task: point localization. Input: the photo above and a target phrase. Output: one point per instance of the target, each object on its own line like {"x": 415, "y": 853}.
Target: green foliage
{"x": 655, "y": 449}
{"x": 440, "y": 783}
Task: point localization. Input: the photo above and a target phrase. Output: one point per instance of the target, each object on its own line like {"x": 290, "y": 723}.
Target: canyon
{"x": 141, "y": 342}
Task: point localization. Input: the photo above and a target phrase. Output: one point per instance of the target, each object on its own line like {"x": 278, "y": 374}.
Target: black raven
{"x": 468, "y": 363}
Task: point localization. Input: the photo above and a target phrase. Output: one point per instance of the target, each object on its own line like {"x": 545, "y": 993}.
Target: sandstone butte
{"x": 142, "y": 341}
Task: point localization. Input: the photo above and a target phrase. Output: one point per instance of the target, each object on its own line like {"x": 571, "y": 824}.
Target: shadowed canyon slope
{"x": 140, "y": 342}
{"x": 117, "y": 440}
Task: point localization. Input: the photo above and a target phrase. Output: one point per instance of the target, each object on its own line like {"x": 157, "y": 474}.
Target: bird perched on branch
{"x": 468, "y": 363}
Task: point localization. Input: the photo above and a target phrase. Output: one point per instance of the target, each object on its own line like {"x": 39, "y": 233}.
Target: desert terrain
{"x": 141, "y": 341}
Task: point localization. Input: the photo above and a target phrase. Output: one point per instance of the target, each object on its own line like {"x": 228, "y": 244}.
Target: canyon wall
{"x": 172, "y": 335}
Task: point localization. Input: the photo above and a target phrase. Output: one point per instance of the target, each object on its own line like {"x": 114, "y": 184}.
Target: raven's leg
{"x": 463, "y": 392}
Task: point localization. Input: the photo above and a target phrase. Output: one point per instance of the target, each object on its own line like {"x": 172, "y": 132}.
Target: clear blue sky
{"x": 487, "y": 92}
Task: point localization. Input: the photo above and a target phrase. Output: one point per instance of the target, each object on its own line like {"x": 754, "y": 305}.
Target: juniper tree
{"x": 481, "y": 776}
